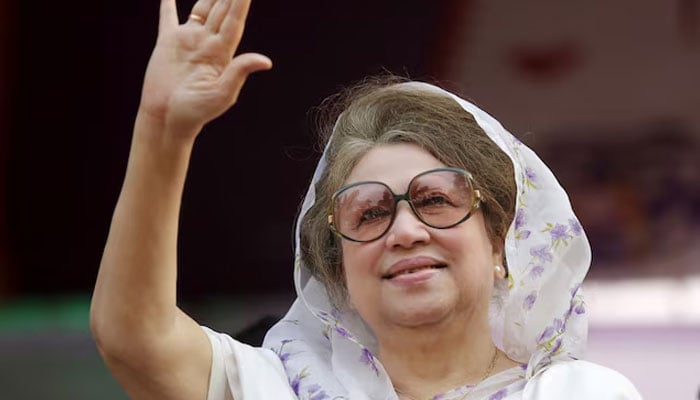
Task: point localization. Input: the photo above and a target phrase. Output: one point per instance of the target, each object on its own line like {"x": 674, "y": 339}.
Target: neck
{"x": 427, "y": 360}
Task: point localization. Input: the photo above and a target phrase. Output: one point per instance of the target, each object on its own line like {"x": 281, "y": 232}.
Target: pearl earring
{"x": 498, "y": 269}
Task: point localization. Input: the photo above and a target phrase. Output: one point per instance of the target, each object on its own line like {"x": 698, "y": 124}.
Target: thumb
{"x": 235, "y": 75}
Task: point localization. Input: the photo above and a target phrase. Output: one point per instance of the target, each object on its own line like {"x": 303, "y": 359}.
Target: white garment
{"x": 240, "y": 371}
{"x": 243, "y": 372}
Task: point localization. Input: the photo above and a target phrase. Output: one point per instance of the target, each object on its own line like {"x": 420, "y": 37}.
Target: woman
{"x": 437, "y": 257}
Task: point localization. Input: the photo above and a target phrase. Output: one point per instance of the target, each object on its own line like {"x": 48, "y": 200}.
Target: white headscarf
{"x": 538, "y": 320}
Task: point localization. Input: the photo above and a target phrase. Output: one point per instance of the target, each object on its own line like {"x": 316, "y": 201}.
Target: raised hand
{"x": 193, "y": 76}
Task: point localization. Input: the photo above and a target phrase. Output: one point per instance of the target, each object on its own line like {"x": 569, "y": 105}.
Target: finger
{"x": 168, "y": 15}
{"x": 234, "y": 22}
{"x": 201, "y": 9}
{"x": 240, "y": 68}
{"x": 217, "y": 14}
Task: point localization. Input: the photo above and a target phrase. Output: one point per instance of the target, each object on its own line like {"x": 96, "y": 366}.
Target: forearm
{"x": 135, "y": 293}
{"x": 154, "y": 349}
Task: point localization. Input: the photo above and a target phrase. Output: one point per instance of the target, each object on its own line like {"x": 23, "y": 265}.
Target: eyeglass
{"x": 440, "y": 198}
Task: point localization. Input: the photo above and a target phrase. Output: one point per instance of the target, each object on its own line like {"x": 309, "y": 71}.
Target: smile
{"x": 414, "y": 270}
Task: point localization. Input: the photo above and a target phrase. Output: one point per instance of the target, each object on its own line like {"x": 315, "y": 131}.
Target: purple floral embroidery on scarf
{"x": 316, "y": 393}
{"x": 452, "y": 393}
{"x": 295, "y": 384}
{"x": 556, "y": 346}
{"x": 313, "y": 392}
{"x": 574, "y": 289}
{"x": 520, "y": 221}
{"x": 575, "y": 227}
{"x": 296, "y": 381}
{"x": 530, "y": 300}
{"x": 546, "y": 334}
{"x": 319, "y": 396}
{"x": 551, "y": 331}
{"x": 284, "y": 357}
{"x": 342, "y": 331}
{"x": 324, "y": 316}
{"x": 577, "y": 304}
{"x": 519, "y": 218}
{"x": 536, "y": 271}
{"x": 559, "y": 232}
{"x": 333, "y": 324}
{"x": 551, "y": 338}
{"x": 542, "y": 252}
{"x": 500, "y": 395}
{"x": 531, "y": 178}
{"x": 367, "y": 358}
{"x": 522, "y": 235}
{"x": 530, "y": 174}
{"x": 558, "y": 325}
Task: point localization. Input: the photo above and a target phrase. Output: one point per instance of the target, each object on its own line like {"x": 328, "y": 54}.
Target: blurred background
{"x": 607, "y": 93}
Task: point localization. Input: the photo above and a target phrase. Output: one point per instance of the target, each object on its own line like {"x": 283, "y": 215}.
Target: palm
{"x": 191, "y": 77}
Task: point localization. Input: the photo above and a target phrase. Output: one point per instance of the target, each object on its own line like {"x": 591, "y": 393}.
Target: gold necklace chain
{"x": 488, "y": 373}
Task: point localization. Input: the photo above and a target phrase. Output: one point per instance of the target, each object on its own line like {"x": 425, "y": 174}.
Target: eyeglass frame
{"x": 476, "y": 205}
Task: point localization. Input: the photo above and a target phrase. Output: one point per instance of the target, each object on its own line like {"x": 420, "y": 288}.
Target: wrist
{"x": 158, "y": 158}
{"x": 156, "y": 132}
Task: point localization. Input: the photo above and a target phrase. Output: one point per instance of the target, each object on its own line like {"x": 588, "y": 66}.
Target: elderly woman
{"x": 437, "y": 256}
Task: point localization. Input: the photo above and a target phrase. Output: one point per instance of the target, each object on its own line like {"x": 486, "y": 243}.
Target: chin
{"x": 417, "y": 312}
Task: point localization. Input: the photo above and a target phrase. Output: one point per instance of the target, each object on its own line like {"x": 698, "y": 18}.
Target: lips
{"x": 412, "y": 265}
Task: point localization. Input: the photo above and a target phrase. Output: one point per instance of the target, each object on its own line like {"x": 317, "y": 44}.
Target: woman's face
{"x": 447, "y": 273}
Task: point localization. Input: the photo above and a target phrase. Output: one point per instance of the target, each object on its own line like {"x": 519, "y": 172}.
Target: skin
{"x": 153, "y": 348}
{"x": 434, "y": 334}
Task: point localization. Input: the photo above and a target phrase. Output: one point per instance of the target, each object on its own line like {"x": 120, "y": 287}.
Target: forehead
{"x": 393, "y": 164}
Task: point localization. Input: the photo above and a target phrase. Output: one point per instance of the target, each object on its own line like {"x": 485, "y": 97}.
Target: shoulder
{"x": 244, "y": 372}
{"x": 231, "y": 350}
{"x": 580, "y": 380}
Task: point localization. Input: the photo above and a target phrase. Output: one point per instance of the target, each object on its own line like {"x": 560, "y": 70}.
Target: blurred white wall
{"x": 649, "y": 330}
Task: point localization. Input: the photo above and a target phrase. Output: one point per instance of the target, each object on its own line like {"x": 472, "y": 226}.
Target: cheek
{"x": 360, "y": 256}
{"x": 472, "y": 248}
{"x": 359, "y": 268}
{"x": 349, "y": 261}
{"x": 355, "y": 263}
{"x": 474, "y": 269}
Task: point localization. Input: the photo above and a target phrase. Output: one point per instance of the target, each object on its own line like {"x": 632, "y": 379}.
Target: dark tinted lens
{"x": 363, "y": 211}
{"x": 442, "y": 198}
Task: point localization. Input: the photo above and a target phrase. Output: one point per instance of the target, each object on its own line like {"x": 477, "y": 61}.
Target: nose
{"x": 407, "y": 230}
